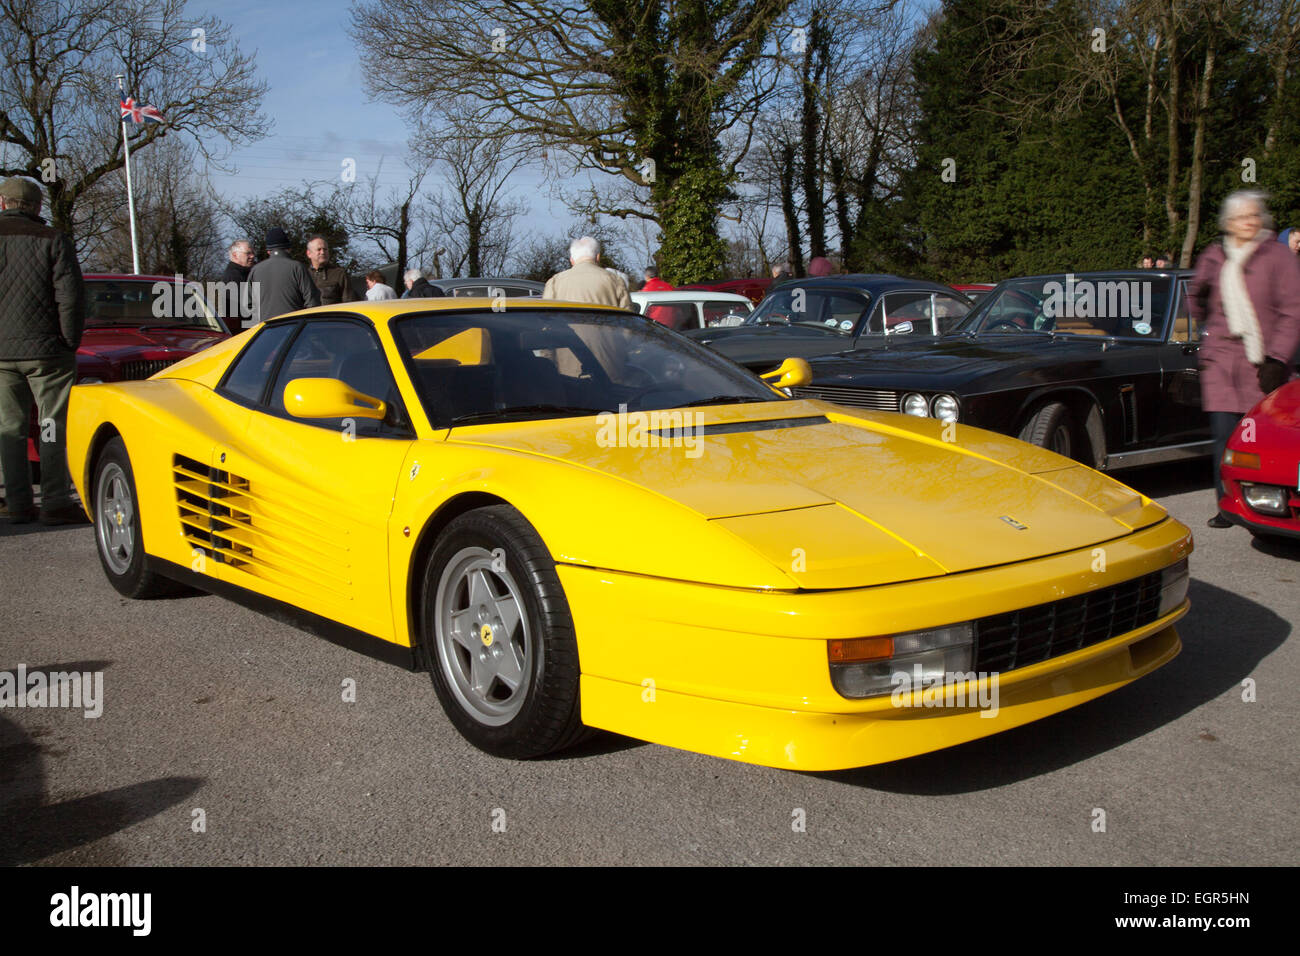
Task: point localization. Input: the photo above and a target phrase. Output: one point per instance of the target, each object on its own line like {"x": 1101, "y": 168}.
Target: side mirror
{"x": 330, "y": 398}
{"x": 790, "y": 373}
{"x": 902, "y": 328}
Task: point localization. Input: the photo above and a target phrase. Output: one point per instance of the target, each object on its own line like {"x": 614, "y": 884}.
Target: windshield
{"x": 833, "y": 311}
{"x": 1122, "y": 307}
{"x": 146, "y": 302}
{"x": 480, "y": 366}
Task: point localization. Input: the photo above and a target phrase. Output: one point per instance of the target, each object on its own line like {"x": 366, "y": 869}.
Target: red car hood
{"x": 120, "y": 342}
{"x": 1281, "y": 407}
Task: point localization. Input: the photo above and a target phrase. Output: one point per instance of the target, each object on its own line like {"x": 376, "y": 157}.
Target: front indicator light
{"x": 859, "y": 670}
{"x": 914, "y": 404}
{"x": 1266, "y": 499}
{"x": 944, "y": 408}
{"x": 1173, "y": 587}
{"x": 1241, "y": 459}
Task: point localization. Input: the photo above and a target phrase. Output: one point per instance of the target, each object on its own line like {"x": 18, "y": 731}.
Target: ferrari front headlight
{"x": 868, "y": 666}
{"x": 914, "y": 404}
{"x": 1173, "y": 587}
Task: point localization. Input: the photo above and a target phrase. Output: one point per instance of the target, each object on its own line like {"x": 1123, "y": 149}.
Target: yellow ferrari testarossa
{"x": 574, "y": 518}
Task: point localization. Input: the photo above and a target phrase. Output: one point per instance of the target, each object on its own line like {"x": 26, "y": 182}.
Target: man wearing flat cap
{"x": 280, "y": 284}
{"x": 42, "y": 314}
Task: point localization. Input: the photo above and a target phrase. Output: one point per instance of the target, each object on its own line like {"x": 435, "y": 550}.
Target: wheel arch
{"x": 1085, "y": 413}
{"x": 448, "y": 511}
{"x": 104, "y": 434}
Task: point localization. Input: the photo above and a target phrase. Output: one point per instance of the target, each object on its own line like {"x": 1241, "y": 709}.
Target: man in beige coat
{"x": 587, "y": 281}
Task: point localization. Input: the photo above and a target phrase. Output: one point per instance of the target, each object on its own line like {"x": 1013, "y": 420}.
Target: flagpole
{"x": 130, "y": 197}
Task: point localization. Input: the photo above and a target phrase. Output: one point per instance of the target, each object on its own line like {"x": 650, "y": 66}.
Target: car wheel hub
{"x": 115, "y": 513}
{"x": 483, "y": 641}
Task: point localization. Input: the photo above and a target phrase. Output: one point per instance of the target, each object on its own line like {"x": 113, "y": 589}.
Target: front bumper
{"x": 744, "y": 674}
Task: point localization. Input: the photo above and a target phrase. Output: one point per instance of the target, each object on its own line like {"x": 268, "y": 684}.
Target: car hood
{"x": 768, "y": 345}
{"x": 943, "y": 363}
{"x": 835, "y": 499}
{"x": 120, "y": 343}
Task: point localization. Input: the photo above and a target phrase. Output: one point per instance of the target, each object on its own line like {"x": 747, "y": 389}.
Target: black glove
{"x": 1272, "y": 375}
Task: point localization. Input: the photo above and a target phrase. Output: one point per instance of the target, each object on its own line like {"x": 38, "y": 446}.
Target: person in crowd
{"x": 1245, "y": 297}
{"x": 820, "y": 266}
{"x": 1162, "y": 261}
{"x": 237, "y": 269}
{"x": 1148, "y": 261}
{"x": 282, "y": 284}
{"x": 376, "y": 289}
{"x": 621, "y": 279}
{"x": 780, "y": 272}
{"x": 1291, "y": 239}
{"x": 331, "y": 280}
{"x": 42, "y": 315}
{"x": 586, "y": 281}
{"x": 418, "y": 287}
{"x": 652, "y": 281}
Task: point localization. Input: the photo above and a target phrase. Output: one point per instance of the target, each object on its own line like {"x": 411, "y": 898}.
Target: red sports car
{"x": 137, "y": 326}
{"x": 1261, "y": 467}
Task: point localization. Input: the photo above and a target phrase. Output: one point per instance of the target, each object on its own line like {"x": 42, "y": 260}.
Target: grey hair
{"x": 584, "y": 247}
{"x": 410, "y": 275}
{"x": 1239, "y": 197}
{"x": 237, "y": 243}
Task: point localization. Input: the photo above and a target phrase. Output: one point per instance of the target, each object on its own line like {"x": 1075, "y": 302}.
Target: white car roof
{"x": 688, "y": 295}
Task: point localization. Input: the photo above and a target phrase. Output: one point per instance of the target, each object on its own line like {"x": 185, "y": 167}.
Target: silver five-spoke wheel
{"x": 484, "y": 642}
{"x": 115, "y": 518}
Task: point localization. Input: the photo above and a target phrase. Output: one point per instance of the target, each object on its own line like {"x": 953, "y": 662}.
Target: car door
{"x": 1182, "y": 419}
{"x": 311, "y": 499}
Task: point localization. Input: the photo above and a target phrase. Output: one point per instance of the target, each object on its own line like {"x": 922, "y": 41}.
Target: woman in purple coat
{"x": 1246, "y": 298}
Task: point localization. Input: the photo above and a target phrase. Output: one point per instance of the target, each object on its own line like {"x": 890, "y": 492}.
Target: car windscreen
{"x": 831, "y": 310}
{"x": 115, "y": 302}
{"x": 1128, "y": 307}
{"x": 482, "y": 366}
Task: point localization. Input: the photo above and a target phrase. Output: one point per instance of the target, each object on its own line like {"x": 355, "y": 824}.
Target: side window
{"x": 911, "y": 307}
{"x": 342, "y": 350}
{"x": 949, "y": 311}
{"x": 1185, "y": 330}
{"x": 246, "y": 379}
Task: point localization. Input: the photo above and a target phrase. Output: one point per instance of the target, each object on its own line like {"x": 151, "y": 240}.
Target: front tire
{"x": 118, "y": 538}
{"x": 498, "y": 636}
{"x": 1050, "y": 427}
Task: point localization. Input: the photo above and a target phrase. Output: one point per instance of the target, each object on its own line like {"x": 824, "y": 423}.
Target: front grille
{"x": 133, "y": 371}
{"x": 876, "y": 399}
{"x": 1004, "y": 642}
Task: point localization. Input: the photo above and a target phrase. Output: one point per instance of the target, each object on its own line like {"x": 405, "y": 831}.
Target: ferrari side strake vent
{"x": 224, "y": 516}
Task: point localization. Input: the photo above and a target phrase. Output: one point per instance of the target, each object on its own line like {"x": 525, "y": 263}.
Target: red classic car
{"x": 1261, "y": 467}
{"x": 136, "y": 326}
{"x": 752, "y": 289}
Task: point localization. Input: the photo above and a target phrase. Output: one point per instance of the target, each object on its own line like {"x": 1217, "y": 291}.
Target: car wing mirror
{"x": 330, "y": 398}
{"x": 789, "y": 374}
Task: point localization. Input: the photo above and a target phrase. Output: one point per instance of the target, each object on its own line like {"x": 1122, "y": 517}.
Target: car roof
{"x": 480, "y": 280}
{"x": 1136, "y": 272}
{"x": 689, "y": 295}
{"x": 863, "y": 282}
{"x": 127, "y": 277}
{"x": 384, "y": 309}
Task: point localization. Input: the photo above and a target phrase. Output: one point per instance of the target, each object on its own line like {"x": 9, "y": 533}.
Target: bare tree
{"x": 58, "y": 116}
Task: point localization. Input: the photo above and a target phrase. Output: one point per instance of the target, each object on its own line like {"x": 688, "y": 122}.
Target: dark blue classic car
{"x": 821, "y": 316}
{"x": 1099, "y": 366}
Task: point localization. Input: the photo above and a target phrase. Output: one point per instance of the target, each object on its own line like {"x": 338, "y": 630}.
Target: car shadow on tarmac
{"x": 32, "y": 827}
{"x": 1223, "y": 643}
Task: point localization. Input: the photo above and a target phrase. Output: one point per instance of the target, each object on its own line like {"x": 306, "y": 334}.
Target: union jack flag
{"x": 140, "y": 114}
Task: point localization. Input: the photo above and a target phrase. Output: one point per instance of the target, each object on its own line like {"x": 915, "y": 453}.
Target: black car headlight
{"x": 944, "y": 408}
{"x": 914, "y": 404}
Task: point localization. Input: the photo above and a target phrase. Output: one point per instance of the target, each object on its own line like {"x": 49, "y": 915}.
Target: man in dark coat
{"x": 42, "y": 314}
{"x": 237, "y": 269}
{"x": 331, "y": 280}
{"x": 278, "y": 283}
{"x": 418, "y": 287}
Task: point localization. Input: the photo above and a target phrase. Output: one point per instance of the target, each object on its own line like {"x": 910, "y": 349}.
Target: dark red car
{"x": 136, "y": 326}
{"x": 753, "y": 289}
{"x": 1261, "y": 467}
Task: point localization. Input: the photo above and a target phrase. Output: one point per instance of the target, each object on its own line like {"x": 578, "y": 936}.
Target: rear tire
{"x": 498, "y": 636}
{"x": 1051, "y": 427}
{"x": 118, "y": 538}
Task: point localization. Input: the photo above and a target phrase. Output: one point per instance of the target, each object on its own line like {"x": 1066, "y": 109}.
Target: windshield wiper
{"x": 562, "y": 410}
{"x": 725, "y": 400}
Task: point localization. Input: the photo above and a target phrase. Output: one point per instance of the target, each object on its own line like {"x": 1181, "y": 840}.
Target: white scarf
{"x": 1240, "y": 311}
